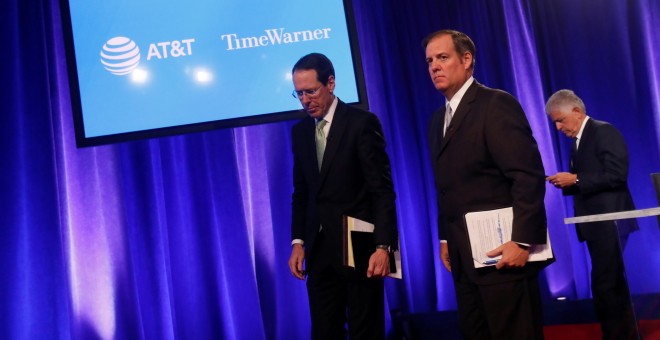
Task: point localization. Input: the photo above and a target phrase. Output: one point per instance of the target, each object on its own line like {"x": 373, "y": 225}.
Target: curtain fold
{"x": 189, "y": 236}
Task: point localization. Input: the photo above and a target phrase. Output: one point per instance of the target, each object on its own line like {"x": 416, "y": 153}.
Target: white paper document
{"x": 489, "y": 229}
{"x": 354, "y": 224}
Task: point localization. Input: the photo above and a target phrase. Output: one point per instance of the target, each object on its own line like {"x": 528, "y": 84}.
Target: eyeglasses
{"x": 309, "y": 93}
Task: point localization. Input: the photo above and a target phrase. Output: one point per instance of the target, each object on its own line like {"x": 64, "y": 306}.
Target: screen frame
{"x": 76, "y": 102}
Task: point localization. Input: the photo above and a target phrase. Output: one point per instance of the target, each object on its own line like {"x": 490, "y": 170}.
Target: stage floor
{"x": 575, "y": 320}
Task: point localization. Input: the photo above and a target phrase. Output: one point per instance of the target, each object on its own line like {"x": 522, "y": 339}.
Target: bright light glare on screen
{"x": 203, "y": 76}
{"x": 139, "y": 76}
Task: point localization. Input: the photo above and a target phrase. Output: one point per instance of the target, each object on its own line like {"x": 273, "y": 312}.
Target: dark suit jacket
{"x": 488, "y": 159}
{"x": 601, "y": 163}
{"x": 355, "y": 180}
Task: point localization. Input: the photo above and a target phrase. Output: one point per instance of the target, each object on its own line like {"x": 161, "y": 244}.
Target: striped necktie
{"x": 320, "y": 141}
{"x": 448, "y": 115}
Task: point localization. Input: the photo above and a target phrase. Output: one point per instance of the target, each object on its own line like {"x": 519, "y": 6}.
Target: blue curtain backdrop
{"x": 188, "y": 236}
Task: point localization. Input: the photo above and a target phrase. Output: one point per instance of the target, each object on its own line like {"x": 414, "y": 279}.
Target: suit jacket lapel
{"x": 584, "y": 142}
{"x": 459, "y": 116}
{"x": 337, "y": 128}
{"x": 310, "y": 145}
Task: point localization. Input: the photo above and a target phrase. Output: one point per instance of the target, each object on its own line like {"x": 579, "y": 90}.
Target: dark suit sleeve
{"x": 376, "y": 169}
{"x": 434, "y": 139}
{"x": 300, "y": 189}
{"x": 515, "y": 151}
{"x": 611, "y": 152}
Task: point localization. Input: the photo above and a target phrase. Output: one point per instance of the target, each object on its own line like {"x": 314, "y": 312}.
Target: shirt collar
{"x": 456, "y": 99}
{"x": 584, "y": 123}
{"x": 331, "y": 111}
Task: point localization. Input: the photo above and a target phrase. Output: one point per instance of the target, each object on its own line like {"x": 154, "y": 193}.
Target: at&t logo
{"x": 120, "y": 55}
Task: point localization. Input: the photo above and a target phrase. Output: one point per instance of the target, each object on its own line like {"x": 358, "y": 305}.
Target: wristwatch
{"x": 384, "y": 247}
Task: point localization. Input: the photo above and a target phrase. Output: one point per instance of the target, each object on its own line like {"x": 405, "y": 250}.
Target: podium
{"x": 622, "y": 215}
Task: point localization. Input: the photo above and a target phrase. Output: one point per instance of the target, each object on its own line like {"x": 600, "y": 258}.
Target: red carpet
{"x": 650, "y": 330}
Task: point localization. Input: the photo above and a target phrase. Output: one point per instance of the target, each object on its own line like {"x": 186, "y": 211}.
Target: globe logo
{"x": 120, "y": 55}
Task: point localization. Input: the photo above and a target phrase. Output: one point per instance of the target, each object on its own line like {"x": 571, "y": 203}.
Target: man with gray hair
{"x": 597, "y": 180}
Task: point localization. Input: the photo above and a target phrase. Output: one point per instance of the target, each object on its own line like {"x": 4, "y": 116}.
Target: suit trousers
{"x": 508, "y": 310}
{"x": 336, "y": 292}
{"x": 609, "y": 285}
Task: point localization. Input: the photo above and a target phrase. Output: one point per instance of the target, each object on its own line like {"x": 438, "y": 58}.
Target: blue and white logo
{"x": 120, "y": 55}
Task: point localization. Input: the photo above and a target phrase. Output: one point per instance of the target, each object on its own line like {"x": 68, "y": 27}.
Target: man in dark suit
{"x": 340, "y": 168}
{"x": 598, "y": 182}
{"x": 486, "y": 159}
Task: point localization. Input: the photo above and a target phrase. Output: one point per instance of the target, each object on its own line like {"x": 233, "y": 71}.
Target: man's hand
{"x": 562, "y": 179}
{"x": 444, "y": 255}
{"x": 296, "y": 261}
{"x": 513, "y": 255}
{"x": 379, "y": 264}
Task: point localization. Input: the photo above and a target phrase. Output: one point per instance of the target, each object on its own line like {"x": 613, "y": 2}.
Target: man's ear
{"x": 467, "y": 60}
{"x": 331, "y": 83}
{"x": 578, "y": 111}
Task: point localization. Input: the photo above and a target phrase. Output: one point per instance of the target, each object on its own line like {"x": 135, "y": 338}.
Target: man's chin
{"x": 316, "y": 114}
